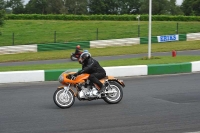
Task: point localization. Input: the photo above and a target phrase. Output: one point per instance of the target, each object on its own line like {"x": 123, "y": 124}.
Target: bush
{"x": 2, "y": 17}
{"x": 100, "y": 17}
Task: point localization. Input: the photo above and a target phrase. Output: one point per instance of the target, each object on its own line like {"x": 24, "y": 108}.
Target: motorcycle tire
{"x": 116, "y": 97}
{"x": 63, "y": 101}
{"x": 73, "y": 58}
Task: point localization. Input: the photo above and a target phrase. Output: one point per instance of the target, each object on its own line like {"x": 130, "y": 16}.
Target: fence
{"x": 69, "y": 35}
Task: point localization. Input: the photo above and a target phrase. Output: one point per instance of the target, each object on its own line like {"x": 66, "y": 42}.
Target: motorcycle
{"x": 74, "y": 57}
{"x": 83, "y": 89}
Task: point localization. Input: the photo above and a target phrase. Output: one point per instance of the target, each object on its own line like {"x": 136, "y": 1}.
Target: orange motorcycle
{"x": 83, "y": 89}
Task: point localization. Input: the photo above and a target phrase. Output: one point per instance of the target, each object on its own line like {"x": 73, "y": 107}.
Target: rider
{"x": 78, "y": 50}
{"x": 92, "y": 67}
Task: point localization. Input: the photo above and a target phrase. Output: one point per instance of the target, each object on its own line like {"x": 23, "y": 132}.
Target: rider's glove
{"x": 78, "y": 73}
{"x": 75, "y": 74}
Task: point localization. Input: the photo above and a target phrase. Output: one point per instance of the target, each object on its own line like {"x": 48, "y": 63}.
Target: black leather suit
{"x": 92, "y": 67}
{"x": 78, "y": 51}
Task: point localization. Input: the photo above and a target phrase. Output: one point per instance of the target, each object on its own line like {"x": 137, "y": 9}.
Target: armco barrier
{"x": 62, "y": 46}
{"x": 193, "y": 36}
{"x": 169, "y": 68}
{"x": 114, "y": 42}
{"x": 21, "y": 76}
{"x": 119, "y": 71}
{"x": 144, "y": 40}
{"x": 195, "y": 66}
{"x": 89, "y": 44}
{"x": 182, "y": 37}
{"x": 18, "y": 49}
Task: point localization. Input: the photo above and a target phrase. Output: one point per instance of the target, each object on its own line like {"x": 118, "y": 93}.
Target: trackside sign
{"x": 168, "y": 38}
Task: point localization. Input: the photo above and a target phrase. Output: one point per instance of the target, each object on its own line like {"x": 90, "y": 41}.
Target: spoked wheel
{"x": 115, "y": 93}
{"x": 62, "y": 99}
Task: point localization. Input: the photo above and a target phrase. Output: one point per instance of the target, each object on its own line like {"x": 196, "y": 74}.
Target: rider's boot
{"x": 102, "y": 89}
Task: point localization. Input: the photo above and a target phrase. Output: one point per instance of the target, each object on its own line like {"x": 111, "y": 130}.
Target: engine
{"x": 87, "y": 92}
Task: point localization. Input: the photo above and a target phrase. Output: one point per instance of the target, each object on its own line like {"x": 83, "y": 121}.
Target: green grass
{"x": 120, "y": 62}
{"x": 42, "y": 31}
{"x": 110, "y": 51}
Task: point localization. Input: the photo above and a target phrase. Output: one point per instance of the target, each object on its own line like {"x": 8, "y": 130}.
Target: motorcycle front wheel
{"x": 63, "y": 100}
{"x": 115, "y": 93}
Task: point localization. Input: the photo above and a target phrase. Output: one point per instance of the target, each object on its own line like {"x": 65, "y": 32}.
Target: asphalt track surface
{"x": 191, "y": 52}
{"x": 151, "y": 104}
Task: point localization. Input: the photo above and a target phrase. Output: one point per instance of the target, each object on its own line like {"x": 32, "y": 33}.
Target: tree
{"x": 129, "y": 6}
{"x": 174, "y": 9}
{"x": 16, "y": 5}
{"x": 133, "y": 7}
{"x": 2, "y": 12}
{"x": 36, "y": 6}
{"x": 103, "y": 6}
{"x": 160, "y": 7}
{"x": 74, "y": 7}
{"x": 2, "y": 4}
{"x": 54, "y": 6}
{"x": 191, "y": 7}
{"x": 2, "y": 17}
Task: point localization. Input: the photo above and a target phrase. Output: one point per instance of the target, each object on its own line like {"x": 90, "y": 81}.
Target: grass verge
{"x": 120, "y": 62}
{"x": 48, "y": 31}
{"x": 109, "y": 51}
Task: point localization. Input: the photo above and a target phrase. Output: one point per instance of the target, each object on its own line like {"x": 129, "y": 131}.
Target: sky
{"x": 178, "y": 2}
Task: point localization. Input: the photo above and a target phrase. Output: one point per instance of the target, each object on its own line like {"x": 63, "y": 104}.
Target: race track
{"x": 151, "y": 104}
{"x": 101, "y": 58}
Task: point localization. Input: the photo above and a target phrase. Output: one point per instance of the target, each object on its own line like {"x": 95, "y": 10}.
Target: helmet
{"x": 78, "y": 46}
{"x": 84, "y": 57}
{"x": 86, "y": 51}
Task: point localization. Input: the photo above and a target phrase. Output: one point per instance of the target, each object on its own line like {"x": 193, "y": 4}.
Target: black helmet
{"x": 84, "y": 57}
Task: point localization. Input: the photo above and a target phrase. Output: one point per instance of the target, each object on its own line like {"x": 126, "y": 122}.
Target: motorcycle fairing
{"x": 79, "y": 79}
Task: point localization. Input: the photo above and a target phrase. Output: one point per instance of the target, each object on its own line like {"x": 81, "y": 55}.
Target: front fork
{"x": 66, "y": 89}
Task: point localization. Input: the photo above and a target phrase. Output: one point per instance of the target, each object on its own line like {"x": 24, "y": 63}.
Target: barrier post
{"x": 13, "y": 38}
{"x": 97, "y": 34}
{"x": 54, "y": 36}
{"x": 177, "y": 28}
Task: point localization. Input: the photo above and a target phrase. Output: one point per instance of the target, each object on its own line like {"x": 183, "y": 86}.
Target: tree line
{"x": 188, "y": 7}
{"x": 103, "y": 7}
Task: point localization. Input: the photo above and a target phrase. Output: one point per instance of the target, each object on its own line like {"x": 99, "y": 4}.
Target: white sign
{"x": 168, "y": 38}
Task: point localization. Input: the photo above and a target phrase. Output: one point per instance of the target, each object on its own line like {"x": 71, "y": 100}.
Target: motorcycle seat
{"x": 106, "y": 77}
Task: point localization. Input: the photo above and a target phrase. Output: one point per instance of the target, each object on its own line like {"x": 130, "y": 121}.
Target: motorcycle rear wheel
{"x": 116, "y": 96}
{"x": 63, "y": 100}
{"x": 73, "y": 58}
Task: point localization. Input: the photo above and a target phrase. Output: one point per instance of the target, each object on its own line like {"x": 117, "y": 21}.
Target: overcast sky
{"x": 179, "y": 2}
